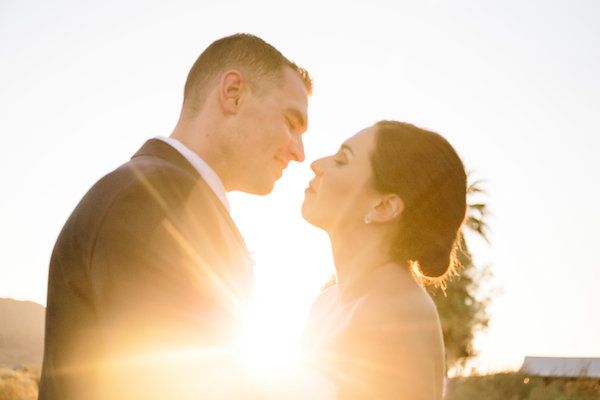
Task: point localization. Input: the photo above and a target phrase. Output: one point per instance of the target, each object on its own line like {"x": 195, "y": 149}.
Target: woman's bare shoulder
{"x": 392, "y": 297}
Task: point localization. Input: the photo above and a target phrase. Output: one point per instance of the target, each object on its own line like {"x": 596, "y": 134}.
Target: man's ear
{"x": 231, "y": 89}
{"x": 389, "y": 207}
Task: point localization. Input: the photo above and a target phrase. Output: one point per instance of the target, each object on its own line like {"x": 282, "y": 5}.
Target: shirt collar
{"x": 206, "y": 172}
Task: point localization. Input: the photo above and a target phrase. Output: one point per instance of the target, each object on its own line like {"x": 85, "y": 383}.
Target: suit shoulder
{"x": 142, "y": 175}
{"x": 142, "y": 169}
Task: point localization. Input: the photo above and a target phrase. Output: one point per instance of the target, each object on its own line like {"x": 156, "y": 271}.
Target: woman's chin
{"x": 305, "y": 212}
{"x": 309, "y": 215}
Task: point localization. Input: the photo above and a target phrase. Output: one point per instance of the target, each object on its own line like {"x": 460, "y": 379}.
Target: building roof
{"x": 562, "y": 367}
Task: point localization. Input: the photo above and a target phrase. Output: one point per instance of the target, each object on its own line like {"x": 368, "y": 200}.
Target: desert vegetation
{"x": 518, "y": 386}
{"x": 19, "y": 383}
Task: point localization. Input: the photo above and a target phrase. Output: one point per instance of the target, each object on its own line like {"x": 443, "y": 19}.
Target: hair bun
{"x": 425, "y": 171}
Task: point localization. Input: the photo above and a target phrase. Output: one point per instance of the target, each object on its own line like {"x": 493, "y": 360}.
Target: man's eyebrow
{"x": 346, "y": 147}
{"x": 298, "y": 116}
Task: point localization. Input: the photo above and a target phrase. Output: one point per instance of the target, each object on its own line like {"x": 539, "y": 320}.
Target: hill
{"x": 21, "y": 332}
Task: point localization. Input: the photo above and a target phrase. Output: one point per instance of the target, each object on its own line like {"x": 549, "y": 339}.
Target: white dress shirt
{"x": 206, "y": 172}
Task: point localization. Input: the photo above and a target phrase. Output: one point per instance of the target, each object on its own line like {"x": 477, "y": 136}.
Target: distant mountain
{"x": 21, "y": 332}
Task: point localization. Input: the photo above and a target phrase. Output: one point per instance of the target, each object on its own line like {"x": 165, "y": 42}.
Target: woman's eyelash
{"x": 339, "y": 160}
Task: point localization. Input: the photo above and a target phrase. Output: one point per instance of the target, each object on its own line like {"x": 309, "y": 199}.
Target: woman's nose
{"x": 317, "y": 166}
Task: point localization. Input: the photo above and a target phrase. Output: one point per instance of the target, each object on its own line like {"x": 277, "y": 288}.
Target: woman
{"x": 392, "y": 200}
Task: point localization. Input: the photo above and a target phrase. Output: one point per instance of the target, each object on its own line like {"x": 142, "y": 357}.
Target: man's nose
{"x": 297, "y": 148}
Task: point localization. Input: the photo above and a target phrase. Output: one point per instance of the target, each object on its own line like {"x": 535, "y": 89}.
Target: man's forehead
{"x": 294, "y": 84}
{"x": 294, "y": 96}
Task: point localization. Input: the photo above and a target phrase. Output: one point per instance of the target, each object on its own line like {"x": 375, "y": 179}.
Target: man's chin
{"x": 262, "y": 189}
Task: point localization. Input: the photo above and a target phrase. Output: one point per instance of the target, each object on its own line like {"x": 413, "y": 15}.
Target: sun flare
{"x": 269, "y": 347}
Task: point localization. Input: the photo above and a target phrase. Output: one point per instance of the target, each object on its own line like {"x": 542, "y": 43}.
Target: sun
{"x": 270, "y": 348}
{"x": 271, "y": 353}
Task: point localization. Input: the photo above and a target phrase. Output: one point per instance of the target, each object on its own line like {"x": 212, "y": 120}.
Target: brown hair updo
{"x": 424, "y": 170}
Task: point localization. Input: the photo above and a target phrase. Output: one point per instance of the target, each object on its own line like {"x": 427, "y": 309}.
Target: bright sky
{"x": 514, "y": 85}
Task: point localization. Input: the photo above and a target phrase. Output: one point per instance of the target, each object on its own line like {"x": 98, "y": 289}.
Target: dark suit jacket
{"x": 147, "y": 282}
{"x": 380, "y": 340}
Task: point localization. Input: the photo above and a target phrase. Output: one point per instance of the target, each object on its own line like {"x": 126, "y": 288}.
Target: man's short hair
{"x": 260, "y": 63}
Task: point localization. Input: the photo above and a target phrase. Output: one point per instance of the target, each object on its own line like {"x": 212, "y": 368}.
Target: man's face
{"x": 268, "y": 133}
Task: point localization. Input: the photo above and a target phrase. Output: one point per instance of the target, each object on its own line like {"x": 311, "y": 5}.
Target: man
{"x": 149, "y": 276}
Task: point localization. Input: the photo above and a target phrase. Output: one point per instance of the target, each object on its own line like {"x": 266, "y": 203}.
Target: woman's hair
{"x": 424, "y": 170}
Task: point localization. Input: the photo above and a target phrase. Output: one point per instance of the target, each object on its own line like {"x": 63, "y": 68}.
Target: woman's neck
{"x": 356, "y": 255}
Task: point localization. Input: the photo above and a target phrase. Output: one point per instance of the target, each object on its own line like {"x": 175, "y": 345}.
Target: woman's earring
{"x": 368, "y": 218}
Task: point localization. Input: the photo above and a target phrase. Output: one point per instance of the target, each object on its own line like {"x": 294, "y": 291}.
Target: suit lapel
{"x": 158, "y": 148}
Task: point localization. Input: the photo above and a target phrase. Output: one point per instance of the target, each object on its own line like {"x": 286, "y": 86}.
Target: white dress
{"x": 379, "y": 339}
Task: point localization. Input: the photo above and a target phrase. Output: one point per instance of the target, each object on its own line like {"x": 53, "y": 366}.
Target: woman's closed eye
{"x": 340, "y": 159}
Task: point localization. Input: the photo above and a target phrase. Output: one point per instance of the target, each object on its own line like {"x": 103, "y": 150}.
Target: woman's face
{"x": 342, "y": 192}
